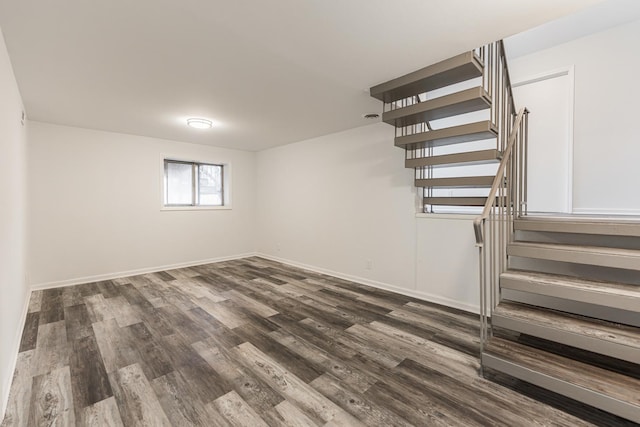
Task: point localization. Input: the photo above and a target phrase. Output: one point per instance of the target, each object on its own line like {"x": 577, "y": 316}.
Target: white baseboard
{"x": 14, "y": 360}
{"x": 438, "y": 299}
{"x": 600, "y": 211}
{"x": 109, "y": 276}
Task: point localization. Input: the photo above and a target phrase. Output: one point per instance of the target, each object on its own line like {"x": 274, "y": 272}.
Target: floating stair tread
{"x": 598, "y": 336}
{"x": 601, "y": 388}
{"x": 457, "y": 182}
{"x": 466, "y": 101}
{"x": 468, "y": 158}
{"x": 455, "y": 201}
{"x": 609, "y": 226}
{"x": 616, "y": 295}
{"x": 446, "y": 136}
{"x": 594, "y": 255}
{"x": 444, "y": 73}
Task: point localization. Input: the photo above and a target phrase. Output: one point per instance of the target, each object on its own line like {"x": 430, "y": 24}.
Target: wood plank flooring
{"x": 252, "y": 342}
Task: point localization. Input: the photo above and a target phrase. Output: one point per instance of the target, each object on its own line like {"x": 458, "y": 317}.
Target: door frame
{"x": 568, "y": 71}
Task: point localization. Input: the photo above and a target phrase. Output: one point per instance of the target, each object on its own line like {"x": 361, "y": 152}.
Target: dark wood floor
{"x": 251, "y": 343}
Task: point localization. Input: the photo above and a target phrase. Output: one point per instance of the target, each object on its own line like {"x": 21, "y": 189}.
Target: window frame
{"x": 224, "y": 178}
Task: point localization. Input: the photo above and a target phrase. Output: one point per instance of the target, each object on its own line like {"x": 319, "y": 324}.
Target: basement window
{"x": 194, "y": 185}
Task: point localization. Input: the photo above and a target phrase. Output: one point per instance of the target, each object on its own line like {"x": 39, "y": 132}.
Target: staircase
{"x": 559, "y": 295}
{"x": 574, "y": 281}
{"x": 447, "y": 122}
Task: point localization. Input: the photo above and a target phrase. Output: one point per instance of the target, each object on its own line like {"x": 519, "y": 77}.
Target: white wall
{"x": 447, "y": 261}
{"x": 336, "y": 202}
{"x": 607, "y": 89}
{"x": 94, "y": 206}
{"x": 13, "y": 290}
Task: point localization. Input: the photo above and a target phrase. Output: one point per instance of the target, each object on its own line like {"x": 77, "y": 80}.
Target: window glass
{"x": 179, "y": 183}
{"x": 210, "y": 185}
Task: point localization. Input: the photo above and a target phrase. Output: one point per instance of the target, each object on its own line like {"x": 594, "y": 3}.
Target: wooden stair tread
{"x": 466, "y": 101}
{"x": 598, "y": 336}
{"x": 444, "y": 73}
{"x": 595, "y": 255}
{"x": 452, "y": 135}
{"x": 480, "y": 157}
{"x": 569, "y": 377}
{"x": 609, "y": 226}
{"x": 617, "y": 295}
{"x": 456, "y": 182}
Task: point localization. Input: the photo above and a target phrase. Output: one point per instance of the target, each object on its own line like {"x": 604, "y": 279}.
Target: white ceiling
{"x": 599, "y": 17}
{"x": 270, "y": 72}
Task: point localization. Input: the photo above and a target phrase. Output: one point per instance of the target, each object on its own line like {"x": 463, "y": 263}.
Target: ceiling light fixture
{"x": 199, "y": 123}
{"x": 371, "y": 116}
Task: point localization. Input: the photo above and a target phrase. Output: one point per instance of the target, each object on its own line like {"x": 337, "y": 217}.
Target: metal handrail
{"x": 507, "y": 76}
{"x": 498, "y": 213}
{"x": 498, "y": 181}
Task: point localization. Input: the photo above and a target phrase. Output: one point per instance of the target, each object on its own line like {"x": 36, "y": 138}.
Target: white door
{"x": 549, "y": 98}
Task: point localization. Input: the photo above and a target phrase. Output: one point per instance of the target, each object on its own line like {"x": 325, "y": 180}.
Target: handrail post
{"x": 500, "y": 209}
{"x": 508, "y": 194}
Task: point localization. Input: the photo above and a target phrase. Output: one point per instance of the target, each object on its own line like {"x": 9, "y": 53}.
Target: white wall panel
{"x": 13, "y": 289}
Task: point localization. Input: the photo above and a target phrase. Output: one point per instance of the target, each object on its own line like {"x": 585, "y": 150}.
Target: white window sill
{"x": 455, "y": 216}
{"x": 196, "y": 208}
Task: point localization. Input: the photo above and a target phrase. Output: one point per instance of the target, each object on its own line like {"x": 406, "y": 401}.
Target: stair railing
{"x": 508, "y": 194}
{"x": 496, "y": 81}
{"x": 494, "y": 227}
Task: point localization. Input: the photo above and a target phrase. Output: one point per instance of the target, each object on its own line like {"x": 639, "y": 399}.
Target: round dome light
{"x": 198, "y": 123}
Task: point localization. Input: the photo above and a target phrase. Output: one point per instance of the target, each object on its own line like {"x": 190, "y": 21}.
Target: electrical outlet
{"x": 278, "y": 247}
{"x": 368, "y": 265}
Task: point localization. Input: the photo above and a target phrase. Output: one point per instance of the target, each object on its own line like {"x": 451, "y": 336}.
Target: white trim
{"x": 547, "y": 75}
{"x": 360, "y": 280}
{"x": 109, "y": 276}
{"x": 196, "y": 208}
{"x": 606, "y": 211}
{"x": 380, "y": 285}
{"x": 572, "y": 107}
{"x": 568, "y": 71}
{"x": 451, "y": 216}
{"x": 14, "y": 360}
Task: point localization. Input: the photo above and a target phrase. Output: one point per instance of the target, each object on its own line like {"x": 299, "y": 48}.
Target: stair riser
{"x": 607, "y": 300}
{"x": 579, "y": 227}
{"x": 595, "y": 399}
{"x": 576, "y": 256}
{"x": 623, "y": 317}
{"x": 579, "y": 341}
